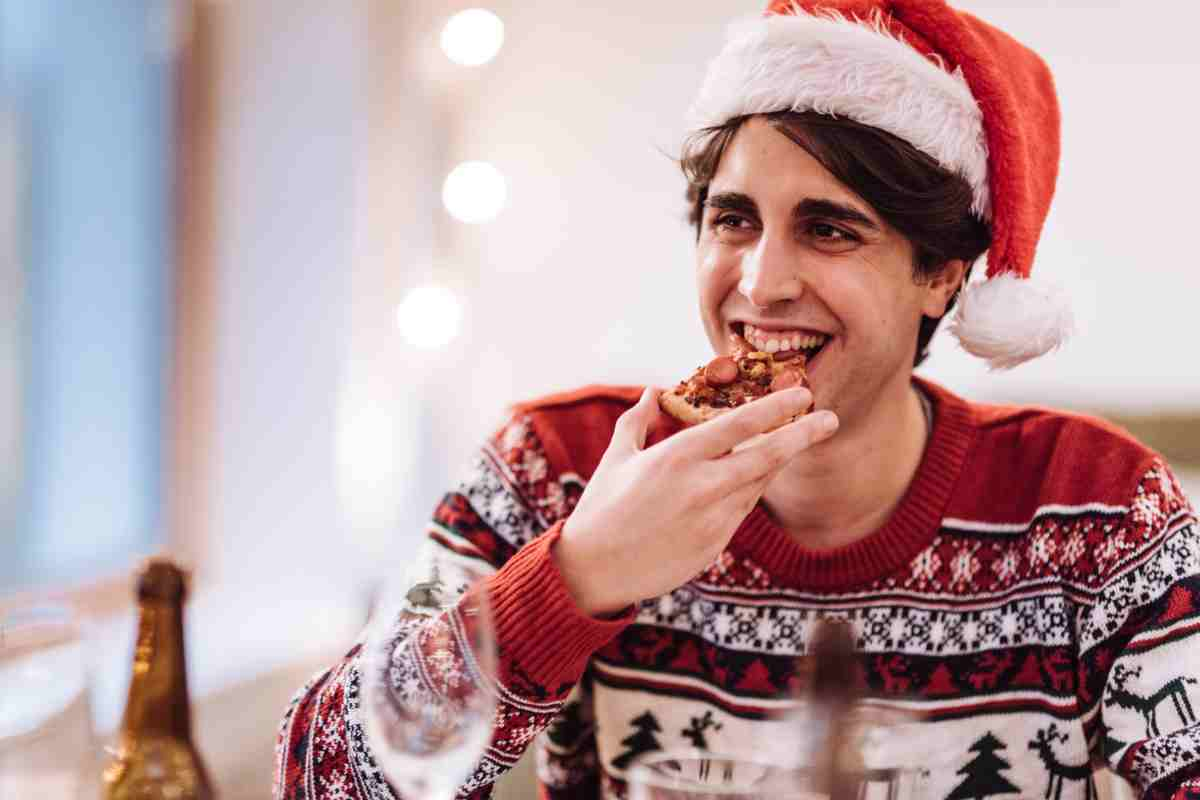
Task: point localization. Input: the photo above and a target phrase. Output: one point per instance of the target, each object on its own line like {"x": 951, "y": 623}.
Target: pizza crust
{"x": 675, "y": 403}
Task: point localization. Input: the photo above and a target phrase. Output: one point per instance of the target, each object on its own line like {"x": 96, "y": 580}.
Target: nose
{"x": 770, "y": 273}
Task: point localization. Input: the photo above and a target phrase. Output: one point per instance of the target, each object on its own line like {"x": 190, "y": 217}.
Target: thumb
{"x": 632, "y": 426}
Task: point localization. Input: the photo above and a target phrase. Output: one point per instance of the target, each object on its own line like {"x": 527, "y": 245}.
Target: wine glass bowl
{"x": 696, "y": 775}
{"x": 431, "y": 689}
{"x": 699, "y": 775}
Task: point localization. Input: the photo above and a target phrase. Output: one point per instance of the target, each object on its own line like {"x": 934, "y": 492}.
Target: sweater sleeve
{"x": 1140, "y": 644}
{"x": 503, "y": 519}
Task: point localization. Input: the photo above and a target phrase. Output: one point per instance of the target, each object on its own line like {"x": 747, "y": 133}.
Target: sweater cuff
{"x": 540, "y": 629}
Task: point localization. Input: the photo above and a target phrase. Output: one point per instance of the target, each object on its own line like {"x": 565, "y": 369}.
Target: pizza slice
{"x": 730, "y": 381}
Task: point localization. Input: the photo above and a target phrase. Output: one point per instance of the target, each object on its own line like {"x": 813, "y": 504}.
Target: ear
{"x": 942, "y": 286}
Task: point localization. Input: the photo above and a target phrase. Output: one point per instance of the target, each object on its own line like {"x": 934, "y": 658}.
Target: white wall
{"x": 290, "y": 101}
{"x": 588, "y": 275}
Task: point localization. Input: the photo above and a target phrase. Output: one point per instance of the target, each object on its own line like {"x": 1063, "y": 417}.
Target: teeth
{"x": 761, "y": 340}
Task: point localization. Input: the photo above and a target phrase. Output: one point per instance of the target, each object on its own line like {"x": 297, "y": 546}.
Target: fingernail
{"x": 826, "y": 421}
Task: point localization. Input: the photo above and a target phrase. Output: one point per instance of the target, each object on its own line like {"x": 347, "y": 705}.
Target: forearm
{"x": 544, "y": 642}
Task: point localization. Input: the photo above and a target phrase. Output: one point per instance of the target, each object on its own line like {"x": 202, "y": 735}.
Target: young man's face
{"x": 786, "y": 248}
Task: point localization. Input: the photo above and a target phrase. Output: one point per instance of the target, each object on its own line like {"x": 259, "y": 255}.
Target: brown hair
{"x": 929, "y": 205}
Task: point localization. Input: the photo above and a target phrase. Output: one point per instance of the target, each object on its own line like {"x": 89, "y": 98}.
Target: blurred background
{"x": 270, "y": 270}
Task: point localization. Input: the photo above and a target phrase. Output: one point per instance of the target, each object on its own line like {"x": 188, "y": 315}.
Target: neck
{"x": 844, "y": 489}
{"x": 158, "y": 700}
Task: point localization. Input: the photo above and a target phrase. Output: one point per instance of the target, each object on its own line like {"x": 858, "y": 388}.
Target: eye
{"x": 731, "y": 222}
{"x": 831, "y": 238}
{"x": 823, "y": 230}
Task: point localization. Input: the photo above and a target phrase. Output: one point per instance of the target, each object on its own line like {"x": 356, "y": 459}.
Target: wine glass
{"x": 698, "y": 775}
{"x": 46, "y": 740}
{"x": 430, "y": 689}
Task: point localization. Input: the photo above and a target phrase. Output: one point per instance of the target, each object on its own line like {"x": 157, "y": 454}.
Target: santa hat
{"x": 957, "y": 89}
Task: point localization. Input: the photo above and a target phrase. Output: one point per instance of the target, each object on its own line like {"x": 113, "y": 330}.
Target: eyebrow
{"x": 808, "y": 207}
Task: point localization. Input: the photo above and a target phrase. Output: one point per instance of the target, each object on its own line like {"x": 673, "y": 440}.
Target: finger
{"x": 741, "y": 501}
{"x": 629, "y": 434}
{"x": 763, "y": 460}
{"x": 717, "y": 437}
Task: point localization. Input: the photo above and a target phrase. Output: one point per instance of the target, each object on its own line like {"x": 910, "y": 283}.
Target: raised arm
{"x": 504, "y": 518}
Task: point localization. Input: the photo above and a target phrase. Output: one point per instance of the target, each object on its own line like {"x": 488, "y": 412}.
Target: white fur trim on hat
{"x": 851, "y": 68}
{"x": 1009, "y": 320}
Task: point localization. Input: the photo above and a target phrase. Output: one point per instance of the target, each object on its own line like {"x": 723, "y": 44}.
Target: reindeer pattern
{"x": 1043, "y": 745}
{"x": 1175, "y": 690}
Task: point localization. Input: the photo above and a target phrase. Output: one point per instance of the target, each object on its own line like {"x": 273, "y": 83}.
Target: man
{"x": 1025, "y": 579}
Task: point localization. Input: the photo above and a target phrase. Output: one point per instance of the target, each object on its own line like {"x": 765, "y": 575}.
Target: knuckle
{"x": 626, "y": 419}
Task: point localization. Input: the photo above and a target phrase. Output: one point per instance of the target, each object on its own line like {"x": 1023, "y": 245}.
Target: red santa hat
{"x": 963, "y": 92}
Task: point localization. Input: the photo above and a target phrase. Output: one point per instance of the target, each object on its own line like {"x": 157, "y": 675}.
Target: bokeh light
{"x": 472, "y": 37}
{"x": 429, "y": 317}
{"x": 474, "y": 192}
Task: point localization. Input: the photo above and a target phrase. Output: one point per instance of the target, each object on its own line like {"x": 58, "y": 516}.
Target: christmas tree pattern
{"x": 983, "y": 778}
{"x": 941, "y": 682}
{"x": 698, "y": 726}
{"x": 641, "y": 741}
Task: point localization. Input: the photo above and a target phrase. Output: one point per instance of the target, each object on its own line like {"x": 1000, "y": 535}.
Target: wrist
{"x": 580, "y": 576}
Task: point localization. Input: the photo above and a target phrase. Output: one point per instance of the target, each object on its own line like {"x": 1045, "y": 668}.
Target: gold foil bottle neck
{"x": 155, "y": 758}
{"x": 159, "y": 578}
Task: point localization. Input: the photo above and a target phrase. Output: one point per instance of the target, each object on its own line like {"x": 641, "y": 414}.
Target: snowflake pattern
{"x": 335, "y": 786}
{"x": 498, "y": 504}
{"x": 514, "y": 434}
{"x": 1042, "y": 547}
{"x": 1177, "y": 558}
{"x": 1007, "y": 566}
{"x": 926, "y": 565}
{"x": 734, "y": 571}
{"x": 330, "y": 735}
{"x": 963, "y": 567}
{"x": 746, "y": 626}
{"x": 1074, "y": 547}
{"x": 554, "y": 503}
{"x": 535, "y": 465}
{"x": 1164, "y": 755}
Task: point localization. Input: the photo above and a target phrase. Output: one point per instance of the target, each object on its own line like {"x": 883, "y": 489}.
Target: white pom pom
{"x": 1008, "y": 320}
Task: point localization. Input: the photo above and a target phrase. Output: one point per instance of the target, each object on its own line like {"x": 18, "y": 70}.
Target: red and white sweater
{"x": 1036, "y": 595}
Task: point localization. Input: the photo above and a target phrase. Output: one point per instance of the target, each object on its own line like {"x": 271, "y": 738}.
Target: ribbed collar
{"x": 910, "y": 528}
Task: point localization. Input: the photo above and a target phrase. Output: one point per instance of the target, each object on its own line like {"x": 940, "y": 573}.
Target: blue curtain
{"x": 89, "y": 85}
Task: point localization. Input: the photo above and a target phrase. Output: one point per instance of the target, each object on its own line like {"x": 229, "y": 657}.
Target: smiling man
{"x": 1024, "y": 579}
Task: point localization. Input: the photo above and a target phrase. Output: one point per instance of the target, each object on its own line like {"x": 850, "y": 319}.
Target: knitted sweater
{"x": 1034, "y": 596}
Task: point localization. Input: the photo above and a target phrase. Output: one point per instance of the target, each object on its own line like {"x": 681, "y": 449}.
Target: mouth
{"x": 784, "y": 343}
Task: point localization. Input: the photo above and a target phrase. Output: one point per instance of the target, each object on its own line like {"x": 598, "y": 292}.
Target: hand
{"x": 652, "y": 518}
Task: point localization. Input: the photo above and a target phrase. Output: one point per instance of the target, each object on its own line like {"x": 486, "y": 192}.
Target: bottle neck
{"x": 158, "y": 697}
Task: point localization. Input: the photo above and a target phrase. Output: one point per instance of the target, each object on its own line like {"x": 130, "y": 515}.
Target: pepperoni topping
{"x": 721, "y": 371}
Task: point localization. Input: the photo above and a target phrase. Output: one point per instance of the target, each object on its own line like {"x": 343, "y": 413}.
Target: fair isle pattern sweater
{"x": 1035, "y": 595}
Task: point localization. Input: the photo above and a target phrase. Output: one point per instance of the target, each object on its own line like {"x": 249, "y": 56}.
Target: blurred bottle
{"x": 155, "y": 757}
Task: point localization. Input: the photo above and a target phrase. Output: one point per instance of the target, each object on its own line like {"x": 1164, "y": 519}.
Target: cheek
{"x": 717, "y": 274}
{"x": 881, "y": 293}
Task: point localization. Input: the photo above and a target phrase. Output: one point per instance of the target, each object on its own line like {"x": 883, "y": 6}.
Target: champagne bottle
{"x": 155, "y": 757}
